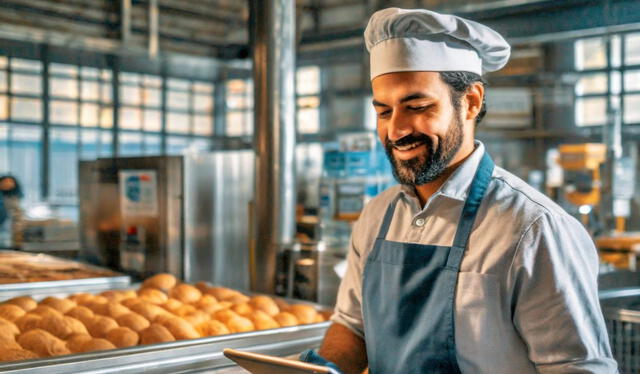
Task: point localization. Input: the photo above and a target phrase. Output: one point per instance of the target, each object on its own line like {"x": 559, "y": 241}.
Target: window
{"x": 308, "y": 99}
{"x": 239, "y": 113}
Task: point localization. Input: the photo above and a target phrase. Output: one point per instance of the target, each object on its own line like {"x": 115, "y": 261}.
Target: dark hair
{"x": 459, "y": 82}
{"x": 16, "y": 191}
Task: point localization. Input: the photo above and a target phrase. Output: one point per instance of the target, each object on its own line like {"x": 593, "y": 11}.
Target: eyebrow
{"x": 410, "y": 97}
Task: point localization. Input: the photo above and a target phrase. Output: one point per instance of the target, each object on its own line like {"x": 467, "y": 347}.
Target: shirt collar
{"x": 457, "y": 185}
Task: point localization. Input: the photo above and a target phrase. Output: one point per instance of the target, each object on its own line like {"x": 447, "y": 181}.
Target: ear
{"x": 474, "y": 97}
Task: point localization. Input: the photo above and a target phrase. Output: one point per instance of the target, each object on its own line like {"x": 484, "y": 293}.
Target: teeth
{"x": 408, "y": 147}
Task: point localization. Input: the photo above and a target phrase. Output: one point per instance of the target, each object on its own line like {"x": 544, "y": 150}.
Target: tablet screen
{"x": 264, "y": 364}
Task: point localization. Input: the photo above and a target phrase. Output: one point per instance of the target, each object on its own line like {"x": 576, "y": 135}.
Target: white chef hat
{"x": 422, "y": 40}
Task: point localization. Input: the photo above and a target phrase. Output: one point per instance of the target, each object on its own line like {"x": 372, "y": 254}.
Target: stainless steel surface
{"x": 125, "y": 21}
{"x": 621, "y": 308}
{"x": 153, "y": 28}
{"x": 35, "y": 289}
{"x": 273, "y": 42}
{"x": 195, "y": 355}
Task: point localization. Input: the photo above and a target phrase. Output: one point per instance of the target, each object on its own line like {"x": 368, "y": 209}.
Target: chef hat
{"x": 422, "y": 40}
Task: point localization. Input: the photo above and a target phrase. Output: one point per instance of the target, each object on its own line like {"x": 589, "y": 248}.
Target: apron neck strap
{"x": 476, "y": 193}
{"x": 388, "y": 216}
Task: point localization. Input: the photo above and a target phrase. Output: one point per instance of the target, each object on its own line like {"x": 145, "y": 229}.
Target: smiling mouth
{"x": 408, "y": 147}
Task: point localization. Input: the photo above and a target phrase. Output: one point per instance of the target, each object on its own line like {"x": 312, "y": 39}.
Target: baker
{"x": 462, "y": 267}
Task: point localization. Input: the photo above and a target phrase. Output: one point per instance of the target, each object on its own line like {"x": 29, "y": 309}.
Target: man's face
{"x": 417, "y": 124}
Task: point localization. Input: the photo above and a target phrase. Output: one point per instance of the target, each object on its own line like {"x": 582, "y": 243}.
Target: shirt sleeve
{"x": 348, "y": 310}
{"x": 555, "y": 299}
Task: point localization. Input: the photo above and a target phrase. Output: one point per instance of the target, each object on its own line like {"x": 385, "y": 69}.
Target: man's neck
{"x": 426, "y": 190}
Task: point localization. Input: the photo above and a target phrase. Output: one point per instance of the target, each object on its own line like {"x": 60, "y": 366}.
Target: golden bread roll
{"x": 242, "y": 309}
{"x": 155, "y": 333}
{"x": 238, "y": 299}
{"x": 115, "y": 310}
{"x": 42, "y": 343}
{"x": 211, "y": 308}
{"x": 224, "y": 315}
{"x": 28, "y": 322}
{"x": 286, "y": 319}
{"x": 81, "y": 298}
{"x": 9, "y": 327}
{"x": 262, "y": 321}
{"x": 134, "y": 321}
{"x": 82, "y": 313}
{"x": 221, "y": 293}
{"x": 62, "y": 327}
{"x": 98, "y": 307}
{"x": 265, "y": 304}
{"x": 240, "y": 324}
{"x": 75, "y": 341}
{"x": 185, "y": 293}
{"x": 7, "y": 335}
{"x": 152, "y": 295}
{"x": 123, "y": 337}
{"x": 185, "y": 309}
{"x": 213, "y": 328}
{"x": 162, "y": 281}
{"x": 100, "y": 299}
{"x": 197, "y": 317}
{"x": 283, "y": 305}
{"x": 163, "y": 317}
{"x": 96, "y": 344}
{"x": 180, "y": 329}
{"x": 202, "y": 286}
{"x": 148, "y": 311}
{"x": 43, "y": 310}
{"x": 225, "y": 304}
{"x": 205, "y": 300}
{"x": 304, "y": 313}
{"x": 61, "y": 305}
{"x": 24, "y": 302}
{"x": 319, "y": 318}
{"x": 15, "y": 354}
{"x": 129, "y": 303}
{"x": 101, "y": 325}
{"x": 11, "y": 312}
{"x": 172, "y": 304}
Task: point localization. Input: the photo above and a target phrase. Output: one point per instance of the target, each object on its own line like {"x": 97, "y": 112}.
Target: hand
{"x": 312, "y": 357}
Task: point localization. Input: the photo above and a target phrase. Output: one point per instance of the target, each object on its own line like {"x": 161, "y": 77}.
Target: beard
{"x": 429, "y": 166}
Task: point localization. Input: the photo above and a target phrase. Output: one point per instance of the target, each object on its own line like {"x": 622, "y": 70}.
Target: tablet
{"x": 264, "y": 364}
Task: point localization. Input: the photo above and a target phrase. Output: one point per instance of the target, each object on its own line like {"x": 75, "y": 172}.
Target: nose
{"x": 398, "y": 127}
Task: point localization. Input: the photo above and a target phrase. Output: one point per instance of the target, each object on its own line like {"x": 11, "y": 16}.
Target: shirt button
{"x": 419, "y": 222}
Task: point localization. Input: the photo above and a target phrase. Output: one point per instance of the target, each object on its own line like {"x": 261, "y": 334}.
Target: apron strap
{"x": 467, "y": 218}
{"x": 388, "y": 216}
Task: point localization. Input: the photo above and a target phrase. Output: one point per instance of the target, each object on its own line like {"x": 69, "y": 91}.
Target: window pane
{"x": 91, "y": 73}
{"x": 24, "y": 156}
{"x": 178, "y": 123}
{"x": 308, "y": 102}
{"x": 178, "y": 100}
{"x": 591, "y": 111}
{"x": 632, "y": 80}
{"x": 203, "y": 87}
{"x": 152, "y": 144}
{"x": 3, "y": 81}
{"x": 632, "y": 109}
{"x": 106, "y": 141}
{"x": 239, "y": 123}
{"x": 106, "y": 117}
{"x": 27, "y": 65}
{"x": 203, "y": 125}
{"x": 89, "y": 149}
{"x": 4, "y": 147}
{"x": 152, "y": 81}
{"x": 26, "y": 84}
{"x": 64, "y": 112}
{"x": 152, "y": 120}
{"x": 130, "y": 95}
{"x": 89, "y": 115}
{"x": 203, "y": 103}
{"x": 199, "y": 145}
{"x": 178, "y": 84}
{"x": 152, "y": 97}
{"x": 592, "y": 83}
{"x": 176, "y": 145}
{"x": 3, "y": 62}
{"x": 62, "y": 87}
{"x": 26, "y": 109}
{"x": 308, "y": 121}
{"x": 4, "y": 107}
{"x": 131, "y": 78}
{"x": 105, "y": 94}
{"x": 63, "y": 162}
{"x": 590, "y": 53}
{"x": 63, "y": 69}
{"x": 308, "y": 80}
{"x": 632, "y": 49}
{"x": 90, "y": 90}
{"x": 130, "y": 118}
{"x": 130, "y": 143}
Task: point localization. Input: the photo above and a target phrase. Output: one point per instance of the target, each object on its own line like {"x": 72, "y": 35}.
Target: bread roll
{"x": 184, "y": 310}
{"x": 101, "y": 325}
{"x": 242, "y": 309}
{"x": 96, "y": 344}
{"x": 61, "y": 305}
{"x": 134, "y": 321}
{"x": 163, "y": 317}
{"x": 221, "y": 293}
{"x": 152, "y": 295}
{"x": 81, "y": 298}
{"x": 240, "y": 324}
{"x": 15, "y": 354}
{"x": 7, "y": 335}
{"x": 185, "y": 293}
{"x": 225, "y": 304}
{"x": 172, "y": 304}
{"x": 11, "y": 312}
{"x": 119, "y": 295}
{"x": 286, "y": 319}
{"x": 42, "y": 343}
{"x": 43, "y": 310}
{"x": 155, "y": 333}
{"x": 202, "y": 286}
{"x": 263, "y": 321}
{"x": 213, "y": 328}
{"x": 304, "y": 313}
{"x": 9, "y": 327}
{"x": 62, "y": 327}
{"x": 82, "y": 313}
{"x": 224, "y": 315}
{"x": 180, "y": 329}
{"x": 148, "y": 311}
{"x": 196, "y": 318}
{"x": 98, "y": 307}
{"x": 265, "y": 304}
{"x": 24, "y": 302}
{"x": 162, "y": 281}
{"x": 28, "y": 322}
{"x": 211, "y": 308}
{"x": 129, "y": 303}
{"x": 123, "y": 337}
{"x": 283, "y": 305}
{"x": 319, "y": 318}
{"x": 114, "y": 310}
{"x": 205, "y": 300}
{"x": 75, "y": 341}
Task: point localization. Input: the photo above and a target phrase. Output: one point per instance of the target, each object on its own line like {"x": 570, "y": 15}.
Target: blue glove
{"x": 312, "y": 357}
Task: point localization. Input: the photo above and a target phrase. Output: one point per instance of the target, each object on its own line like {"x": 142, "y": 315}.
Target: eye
{"x": 418, "y": 108}
{"x": 384, "y": 113}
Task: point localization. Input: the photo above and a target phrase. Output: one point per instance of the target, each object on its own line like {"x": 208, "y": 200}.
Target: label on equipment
{"x": 138, "y": 193}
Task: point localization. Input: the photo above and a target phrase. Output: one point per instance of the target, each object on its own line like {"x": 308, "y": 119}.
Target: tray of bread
{"x": 28, "y": 273}
{"x": 162, "y": 326}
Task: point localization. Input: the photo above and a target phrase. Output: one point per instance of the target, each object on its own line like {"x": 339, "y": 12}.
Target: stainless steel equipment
{"x": 186, "y": 215}
{"x": 621, "y": 308}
